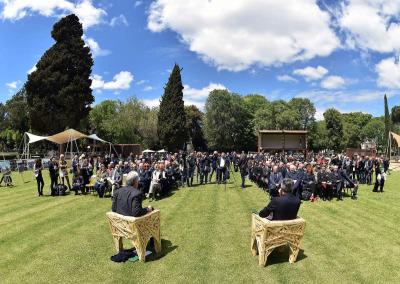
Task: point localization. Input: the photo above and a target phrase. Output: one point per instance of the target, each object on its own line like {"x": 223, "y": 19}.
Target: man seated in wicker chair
{"x": 128, "y": 199}
{"x": 285, "y": 206}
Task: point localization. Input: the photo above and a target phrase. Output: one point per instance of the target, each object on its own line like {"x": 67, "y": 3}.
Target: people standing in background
{"x": 242, "y": 164}
{"x": 64, "y": 171}
{"x": 39, "y": 178}
{"x": 379, "y": 176}
{"x": 53, "y": 171}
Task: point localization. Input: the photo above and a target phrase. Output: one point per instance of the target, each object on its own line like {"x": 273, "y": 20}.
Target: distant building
{"x": 368, "y": 145}
{"x": 282, "y": 140}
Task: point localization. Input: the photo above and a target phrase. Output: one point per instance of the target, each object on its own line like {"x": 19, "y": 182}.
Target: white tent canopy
{"x": 66, "y": 137}
{"x": 161, "y": 151}
{"x": 148, "y": 151}
{"x": 63, "y": 137}
{"x": 34, "y": 138}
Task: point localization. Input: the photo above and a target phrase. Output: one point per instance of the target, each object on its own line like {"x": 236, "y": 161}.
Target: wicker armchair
{"x": 267, "y": 235}
{"x": 139, "y": 230}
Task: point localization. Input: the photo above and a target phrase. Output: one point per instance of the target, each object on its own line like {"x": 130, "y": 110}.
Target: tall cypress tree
{"x": 171, "y": 125}
{"x": 387, "y": 121}
{"x": 58, "y": 92}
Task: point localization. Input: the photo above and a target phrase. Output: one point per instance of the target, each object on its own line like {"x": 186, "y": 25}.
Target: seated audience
{"x": 100, "y": 185}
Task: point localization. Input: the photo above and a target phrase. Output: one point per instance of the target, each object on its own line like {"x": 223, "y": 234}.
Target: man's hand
{"x": 150, "y": 208}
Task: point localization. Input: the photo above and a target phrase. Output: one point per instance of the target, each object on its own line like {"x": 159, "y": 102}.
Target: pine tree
{"x": 58, "y": 92}
{"x": 387, "y": 121}
{"x": 171, "y": 126}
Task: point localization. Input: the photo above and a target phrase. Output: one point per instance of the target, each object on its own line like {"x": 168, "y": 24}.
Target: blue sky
{"x": 338, "y": 54}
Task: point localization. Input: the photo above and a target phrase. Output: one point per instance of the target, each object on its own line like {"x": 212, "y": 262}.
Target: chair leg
{"x": 118, "y": 243}
{"x": 157, "y": 244}
{"x": 253, "y": 246}
{"x": 294, "y": 251}
{"x": 141, "y": 251}
{"x": 264, "y": 253}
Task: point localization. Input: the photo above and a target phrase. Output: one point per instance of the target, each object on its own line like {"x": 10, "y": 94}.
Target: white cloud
{"x": 198, "y": 97}
{"x": 33, "y": 69}
{"x": 191, "y": 96}
{"x": 372, "y": 24}
{"x": 13, "y": 85}
{"x": 88, "y": 14}
{"x": 329, "y": 97}
{"x": 388, "y": 73}
{"x": 148, "y": 88}
{"x": 120, "y": 20}
{"x": 138, "y": 3}
{"x": 141, "y": 82}
{"x": 311, "y": 73}
{"x": 121, "y": 81}
{"x": 333, "y": 82}
{"x": 286, "y": 78}
{"x": 234, "y": 35}
{"x": 152, "y": 102}
{"x": 95, "y": 47}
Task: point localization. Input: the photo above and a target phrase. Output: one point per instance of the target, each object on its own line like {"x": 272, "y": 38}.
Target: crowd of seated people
{"x": 319, "y": 176}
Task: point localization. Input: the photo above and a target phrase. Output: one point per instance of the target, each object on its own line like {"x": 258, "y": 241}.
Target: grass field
{"x": 206, "y": 239}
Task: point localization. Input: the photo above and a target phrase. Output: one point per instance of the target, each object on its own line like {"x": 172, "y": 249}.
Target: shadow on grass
{"x": 281, "y": 255}
{"x": 166, "y": 248}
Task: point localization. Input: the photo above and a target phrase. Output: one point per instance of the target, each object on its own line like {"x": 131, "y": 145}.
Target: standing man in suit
{"x": 222, "y": 168}
{"x": 213, "y": 159}
{"x": 283, "y": 207}
{"x": 275, "y": 180}
{"x": 242, "y": 164}
{"x": 53, "y": 171}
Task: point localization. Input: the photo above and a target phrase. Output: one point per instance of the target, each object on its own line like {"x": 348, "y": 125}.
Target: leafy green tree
{"x": 318, "y": 136}
{"x": 396, "y": 114}
{"x": 194, "y": 126}
{"x": 17, "y": 112}
{"x": 375, "y": 130}
{"x": 227, "y": 122}
{"x": 171, "y": 116}
{"x": 255, "y": 102}
{"x": 305, "y": 112}
{"x": 101, "y": 118}
{"x": 58, "y": 92}
{"x": 3, "y": 117}
{"x": 264, "y": 119}
{"x": 353, "y": 122}
{"x": 334, "y": 127}
{"x": 288, "y": 120}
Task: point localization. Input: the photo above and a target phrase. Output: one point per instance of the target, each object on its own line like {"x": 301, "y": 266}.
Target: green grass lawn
{"x": 205, "y": 234}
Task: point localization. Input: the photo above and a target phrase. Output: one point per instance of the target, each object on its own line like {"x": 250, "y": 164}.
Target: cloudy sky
{"x": 342, "y": 54}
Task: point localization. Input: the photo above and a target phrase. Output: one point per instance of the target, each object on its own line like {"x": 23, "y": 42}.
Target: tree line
{"x": 58, "y": 96}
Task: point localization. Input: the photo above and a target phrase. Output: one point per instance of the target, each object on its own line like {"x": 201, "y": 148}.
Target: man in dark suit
{"x": 128, "y": 200}
{"x": 222, "y": 168}
{"x": 242, "y": 164}
{"x": 53, "y": 170}
{"x": 284, "y": 207}
{"x": 275, "y": 180}
{"x": 296, "y": 177}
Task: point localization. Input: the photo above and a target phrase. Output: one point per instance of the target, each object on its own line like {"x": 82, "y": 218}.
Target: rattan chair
{"x": 138, "y": 230}
{"x": 267, "y": 235}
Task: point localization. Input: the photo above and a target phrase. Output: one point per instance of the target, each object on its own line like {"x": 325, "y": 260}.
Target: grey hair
{"x": 287, "y": 185}
{"x": 131, "y": 178}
